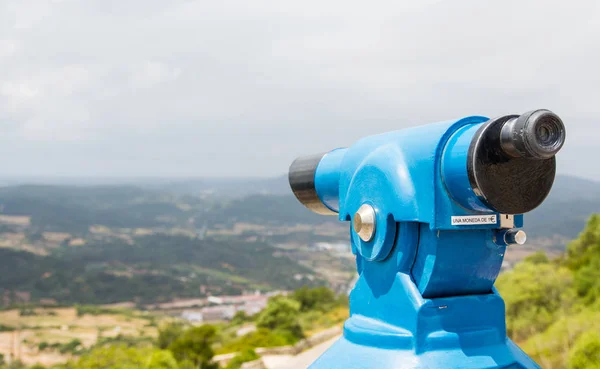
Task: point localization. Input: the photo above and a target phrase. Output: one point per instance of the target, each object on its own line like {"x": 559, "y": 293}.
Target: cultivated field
{"x": 25, "y": 331}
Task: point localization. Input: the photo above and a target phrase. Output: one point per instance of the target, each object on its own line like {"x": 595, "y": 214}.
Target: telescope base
{"x": 348, "y": 355}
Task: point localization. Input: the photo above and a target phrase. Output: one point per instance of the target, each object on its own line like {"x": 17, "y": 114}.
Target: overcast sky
{"x": 239, "y": 88}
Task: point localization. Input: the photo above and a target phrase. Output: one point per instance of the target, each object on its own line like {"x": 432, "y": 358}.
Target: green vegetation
{"x": 71, "y": 347}
{"x": 258, "y": 338}
{"x": 96, "y": 310}
{"x": 286, "y": 320}
{"x": 124, "y": 243}
{"x": 180, "y": 346}
{"x": 553, "y": 306}
{"x": 169, "y": 333}
{"x": 6, "y": 328}
{"x": 535, "y": 296}
{"x": 154, "y": 268}
{"x": 281, "y": 314}
{"x": 74, "y": 209}
{"x": 319, "y": 299}
{"x": 124, "y": 340}
{"x": 586, "y": 352}
{"x": 243, "y": 357}
{"x": 123, "y": 357}
{"x": 27, "y": 312}
{"x": 190, "y": 351}
{"x": 195, "y": 346}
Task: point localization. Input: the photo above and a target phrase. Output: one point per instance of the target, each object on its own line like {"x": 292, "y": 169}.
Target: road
{"x": 300, "y": 361}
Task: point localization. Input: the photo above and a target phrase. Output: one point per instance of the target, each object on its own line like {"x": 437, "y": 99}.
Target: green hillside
{"x": 98, "y": 244}
{"x": 153, "y": 268}
{"x": 553, "y": 306}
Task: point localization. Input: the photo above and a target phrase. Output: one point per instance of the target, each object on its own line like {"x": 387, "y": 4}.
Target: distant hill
{"x": 213, "y": 202}
{"x": 220, "y": 187}
{"x": 566, "y": 210}
{"x": 103, "y": 244}
{"x": 225, "y": 187}
{"x": 147, "y": 269}
{"x": 563, "y": 214}
{"x": 75, "y": 208}
{"x": 117, "y": 240}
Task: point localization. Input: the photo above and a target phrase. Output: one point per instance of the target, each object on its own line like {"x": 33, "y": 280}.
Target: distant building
{"x": 223, "y": 312}
{"x": 215, "y": 300}
{"x": 252, "y": 308}
{"x": 225, "y": 307}
{"x": 192, "y": 316}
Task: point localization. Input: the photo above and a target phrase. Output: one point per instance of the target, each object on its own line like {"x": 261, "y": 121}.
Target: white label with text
{"x": 473, "y": 219}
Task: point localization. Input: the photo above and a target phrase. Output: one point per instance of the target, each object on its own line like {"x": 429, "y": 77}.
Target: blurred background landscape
{"x": 145, "y": 215}
{"x": 88, "y": 267}
{"x": 150, "y": 242}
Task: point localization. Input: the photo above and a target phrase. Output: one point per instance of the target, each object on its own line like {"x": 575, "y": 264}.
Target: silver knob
{"x": 363, "y": 222}
{"x": 515, "y": 237}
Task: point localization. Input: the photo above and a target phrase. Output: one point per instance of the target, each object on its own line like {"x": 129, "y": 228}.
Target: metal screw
{"x": 515, "y": 237}
{"x": 364, "y": 222}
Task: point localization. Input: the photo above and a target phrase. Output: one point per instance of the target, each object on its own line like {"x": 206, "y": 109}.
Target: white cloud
{"x": 7, "y": 49}
{"x": 216, "y": 88}
{"x": 149, "y": 74}
{"x": 17, "y": 91}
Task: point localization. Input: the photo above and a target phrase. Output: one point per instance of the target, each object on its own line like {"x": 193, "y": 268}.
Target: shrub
{"x": 243, "y": 357}
{"x": 586, "y": 352}
{"x": 281, "y": 314}
{"x": 195, "y": 345}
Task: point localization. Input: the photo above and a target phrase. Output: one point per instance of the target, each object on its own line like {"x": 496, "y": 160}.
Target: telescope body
{"x": 432, "y": 211}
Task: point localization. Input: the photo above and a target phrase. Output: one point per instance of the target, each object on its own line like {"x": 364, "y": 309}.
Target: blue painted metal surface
{"x": 424, "y": 297}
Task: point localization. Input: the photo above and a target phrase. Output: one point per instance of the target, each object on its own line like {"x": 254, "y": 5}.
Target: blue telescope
{"x": 432, "y": 210}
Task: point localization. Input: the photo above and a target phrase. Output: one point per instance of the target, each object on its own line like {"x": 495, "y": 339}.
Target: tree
{"x": 195, "y": 345}
{"x": 281, "y": 313}
{"x": 587, "y": 281}
{"x": 583, "y": 257}
{"x": 259, "y": 338}
{"x": 168, "y": 333}
{"x": 586, "y": 247}
{"x": 240, "y": 317}
{"x": 318, "y": 298}
{"x": 534, "y": 295}
{"x": 539, "y": 257}
{"x": 586, "y": 352}
{"x": 161, "y": 359}
{"x": 114, "y": 357}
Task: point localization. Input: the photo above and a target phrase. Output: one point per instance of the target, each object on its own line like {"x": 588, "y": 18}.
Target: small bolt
{"x": 364, "y": 222}
{"x": 515, "y": 237}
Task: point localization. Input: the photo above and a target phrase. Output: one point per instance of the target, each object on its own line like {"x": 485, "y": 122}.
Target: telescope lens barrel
{"x": 537, "y": 134}
{"x": 315, "y": 180}
{"x": 302, "y": 181}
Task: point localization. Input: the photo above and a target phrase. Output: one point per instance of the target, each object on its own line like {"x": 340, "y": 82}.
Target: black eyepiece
{"x": 537, "y": 134}
{"x": 512, "y": 160}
